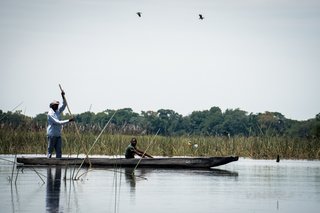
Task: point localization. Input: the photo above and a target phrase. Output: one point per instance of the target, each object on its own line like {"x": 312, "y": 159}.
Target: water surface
{"x": 243, "y": 186}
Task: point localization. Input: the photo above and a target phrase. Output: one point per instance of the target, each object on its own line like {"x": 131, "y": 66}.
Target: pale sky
{"x": 256, "y": 55}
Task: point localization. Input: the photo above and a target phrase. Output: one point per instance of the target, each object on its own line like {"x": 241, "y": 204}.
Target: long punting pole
{"x": 75, "y": 124}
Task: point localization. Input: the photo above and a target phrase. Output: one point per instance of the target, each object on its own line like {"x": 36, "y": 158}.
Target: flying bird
{"x": 201, "y": 16}
{"x": 139, "y": 14}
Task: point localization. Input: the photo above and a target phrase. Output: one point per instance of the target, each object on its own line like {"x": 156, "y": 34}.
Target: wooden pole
{"x": 75, "y": 124}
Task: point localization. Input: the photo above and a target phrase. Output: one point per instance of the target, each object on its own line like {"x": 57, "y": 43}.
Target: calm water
{"x": 243, "y": 186}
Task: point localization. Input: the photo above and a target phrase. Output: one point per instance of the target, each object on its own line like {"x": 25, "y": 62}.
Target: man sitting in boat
{"x": 132, "y": 150}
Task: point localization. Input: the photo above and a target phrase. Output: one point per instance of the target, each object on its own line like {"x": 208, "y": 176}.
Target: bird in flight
{"x": 139, "y": 14}
{"x": 201, "y": 16}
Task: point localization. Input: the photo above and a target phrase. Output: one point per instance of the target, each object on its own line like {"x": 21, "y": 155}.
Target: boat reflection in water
{"x": 218, "y": 172}
{"x": 53, "y": 189}
{"x": 132, "y": 175}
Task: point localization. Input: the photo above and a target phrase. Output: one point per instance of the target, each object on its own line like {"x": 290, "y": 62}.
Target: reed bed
{"x": 35, "y": 142}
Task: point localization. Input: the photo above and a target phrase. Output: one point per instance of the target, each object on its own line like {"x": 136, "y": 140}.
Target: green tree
{"x": 212, "y": 121}
{"x": 315, "y": 129}
{"x": 271, "y": 123}
{"x": 235, "y": 122}
{"x": 197, "y": 119}
{"x": 40, "y": 120}
{"x": 169, "y": 122}
{"x": 150, "y": 121}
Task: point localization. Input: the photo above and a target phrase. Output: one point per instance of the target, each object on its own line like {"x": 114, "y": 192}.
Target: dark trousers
{"x": 56, "y": 144}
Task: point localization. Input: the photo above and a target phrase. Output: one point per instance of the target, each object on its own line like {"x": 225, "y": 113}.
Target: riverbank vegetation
{"x": 202, "y": 133}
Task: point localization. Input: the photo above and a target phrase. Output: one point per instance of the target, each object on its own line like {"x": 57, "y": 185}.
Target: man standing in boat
{"x": 55, "y": 126}
{"x": 132, "y": 150}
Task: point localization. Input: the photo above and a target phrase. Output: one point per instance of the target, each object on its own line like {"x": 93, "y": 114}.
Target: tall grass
{"x": 35, "y": 142}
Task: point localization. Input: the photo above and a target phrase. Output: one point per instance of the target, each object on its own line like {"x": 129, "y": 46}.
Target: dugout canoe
{"x": 170, "y": 162}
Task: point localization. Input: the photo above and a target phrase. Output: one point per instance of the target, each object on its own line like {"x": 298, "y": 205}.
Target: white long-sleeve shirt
{"x": 54, "y": 122}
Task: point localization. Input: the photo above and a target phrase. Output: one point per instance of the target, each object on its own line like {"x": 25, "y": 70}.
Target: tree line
{"x": 212, "y": 122}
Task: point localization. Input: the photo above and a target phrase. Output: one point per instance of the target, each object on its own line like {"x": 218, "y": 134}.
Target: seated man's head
{"x": 133, "y": 142}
